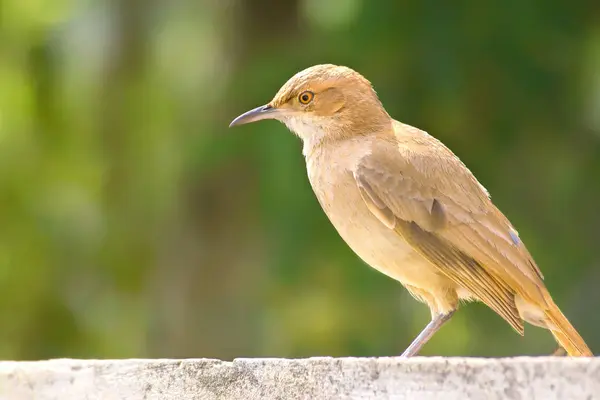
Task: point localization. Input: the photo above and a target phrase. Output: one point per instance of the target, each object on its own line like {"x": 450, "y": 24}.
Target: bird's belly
{"x": 387, "y": 252}
{"x": 376, "y": 244}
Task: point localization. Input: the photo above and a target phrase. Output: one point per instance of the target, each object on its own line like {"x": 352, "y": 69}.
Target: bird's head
{"x": 321, "y": 102}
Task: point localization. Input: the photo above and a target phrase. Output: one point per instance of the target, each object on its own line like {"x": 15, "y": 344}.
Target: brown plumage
{"x": 409, "y": 207}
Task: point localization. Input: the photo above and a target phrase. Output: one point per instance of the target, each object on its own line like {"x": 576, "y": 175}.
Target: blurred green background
{"x": 134, "y": 223}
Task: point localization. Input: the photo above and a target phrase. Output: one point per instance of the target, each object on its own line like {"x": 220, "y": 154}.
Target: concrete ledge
{"x": 314, "y": 378}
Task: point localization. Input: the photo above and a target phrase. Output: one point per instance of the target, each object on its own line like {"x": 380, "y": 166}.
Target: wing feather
{"x": 434, "y": 202}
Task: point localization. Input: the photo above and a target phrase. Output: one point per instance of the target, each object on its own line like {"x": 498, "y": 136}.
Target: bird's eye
{"x": 306, "y": 97}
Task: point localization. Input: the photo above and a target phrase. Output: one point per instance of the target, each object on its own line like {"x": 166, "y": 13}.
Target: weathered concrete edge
{"x": 311, "y": 378}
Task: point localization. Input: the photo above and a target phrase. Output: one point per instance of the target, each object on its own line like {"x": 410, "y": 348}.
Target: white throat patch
{"x": 311, "y": 132}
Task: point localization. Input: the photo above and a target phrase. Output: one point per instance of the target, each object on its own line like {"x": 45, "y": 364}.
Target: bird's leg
{"x": 432, "y": 327}
{"x": 559, "y": 352}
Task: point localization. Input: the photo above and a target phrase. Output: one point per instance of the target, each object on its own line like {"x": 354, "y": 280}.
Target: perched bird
{"x": 408, "y": 207}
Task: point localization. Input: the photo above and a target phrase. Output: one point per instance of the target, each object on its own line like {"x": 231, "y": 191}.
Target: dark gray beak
{"x": 256, "y": 114}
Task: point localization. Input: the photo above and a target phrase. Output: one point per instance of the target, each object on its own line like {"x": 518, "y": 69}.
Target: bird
{"x": 409, "y": 207}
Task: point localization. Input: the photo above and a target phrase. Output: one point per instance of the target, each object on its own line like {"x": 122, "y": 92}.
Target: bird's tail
{"x": 564, "y": 333}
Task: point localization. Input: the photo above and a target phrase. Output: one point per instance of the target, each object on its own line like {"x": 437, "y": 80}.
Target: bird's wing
{"x": 418, "y": 188}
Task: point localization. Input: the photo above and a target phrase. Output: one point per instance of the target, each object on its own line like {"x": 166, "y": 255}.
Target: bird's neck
{"x": 317, "y": 131}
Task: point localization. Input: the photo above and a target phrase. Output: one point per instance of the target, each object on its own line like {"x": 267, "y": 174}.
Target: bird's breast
{"x": 380, "y": 247}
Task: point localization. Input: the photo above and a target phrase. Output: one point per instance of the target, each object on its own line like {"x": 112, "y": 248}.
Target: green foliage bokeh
{"x": 134, "y": 223}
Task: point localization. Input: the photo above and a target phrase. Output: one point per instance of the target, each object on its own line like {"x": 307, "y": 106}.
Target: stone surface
{"x": 314, "y": 378}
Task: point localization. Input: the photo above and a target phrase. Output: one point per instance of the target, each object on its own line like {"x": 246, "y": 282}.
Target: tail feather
{"x": 565, "y": 334}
